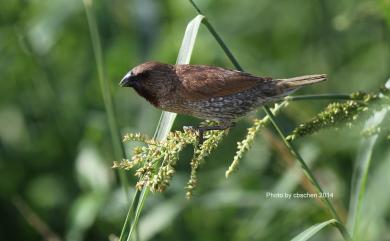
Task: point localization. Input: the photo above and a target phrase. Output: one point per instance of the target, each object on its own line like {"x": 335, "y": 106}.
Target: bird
{"x": 209, "y": 92}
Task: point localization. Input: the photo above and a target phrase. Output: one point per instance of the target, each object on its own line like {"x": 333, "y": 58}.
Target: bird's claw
{"x": 189, "y": 128}
{"x": 202, "y": 129}
{"x": 199, "y": 130}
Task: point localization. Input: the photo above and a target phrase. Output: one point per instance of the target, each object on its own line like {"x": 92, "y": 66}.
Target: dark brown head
{"x": 151, "y": 80}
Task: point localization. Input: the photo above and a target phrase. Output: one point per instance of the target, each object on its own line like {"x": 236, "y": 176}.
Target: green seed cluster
{"x": 244, "y": 145}
{"x": 334, "y": 115}
{"x": 341, "y": 114}
{"x": 213, "y": 139}
{"x": 157, "y": 160}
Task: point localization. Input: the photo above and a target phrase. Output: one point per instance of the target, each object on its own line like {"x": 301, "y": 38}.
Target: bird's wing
{"x": 202, "y": 82}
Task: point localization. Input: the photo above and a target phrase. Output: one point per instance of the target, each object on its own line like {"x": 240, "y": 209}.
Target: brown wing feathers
{"x": 201, "y": 81}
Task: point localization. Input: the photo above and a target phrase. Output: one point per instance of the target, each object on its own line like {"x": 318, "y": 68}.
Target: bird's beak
{"x": 127, "y": 81}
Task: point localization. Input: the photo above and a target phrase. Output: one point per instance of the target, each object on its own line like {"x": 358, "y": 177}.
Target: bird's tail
{"x": 297, "y": 82}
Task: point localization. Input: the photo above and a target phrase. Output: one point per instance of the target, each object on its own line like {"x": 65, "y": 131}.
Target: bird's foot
{"x": 202, "y": 129}
{"x": 189, "y": 128}
{"x": 195, "y": 129}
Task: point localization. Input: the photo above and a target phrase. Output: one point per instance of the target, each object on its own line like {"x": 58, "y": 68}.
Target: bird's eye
{"x": 144, "y": 74}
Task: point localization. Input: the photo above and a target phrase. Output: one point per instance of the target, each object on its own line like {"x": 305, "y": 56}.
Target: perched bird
{"x": 208, "y": 92}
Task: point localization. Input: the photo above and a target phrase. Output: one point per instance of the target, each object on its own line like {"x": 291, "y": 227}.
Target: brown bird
{"x": 208, "y": 92}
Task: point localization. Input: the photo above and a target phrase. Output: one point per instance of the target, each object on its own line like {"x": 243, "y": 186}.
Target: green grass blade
{"x": 167, "y": 118}
{"x": 188, "y": 42}
{"x": 140, "y": 205}
{"x": 119, "y": 151}
{"x": 125, "y": 231}
{"x": 310, "y": 232}
{"x": 359, "y": 178}
{"x": 164, "y": 125}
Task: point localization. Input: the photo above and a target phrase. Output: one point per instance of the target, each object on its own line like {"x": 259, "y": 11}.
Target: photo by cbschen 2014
{"x": 297, "y": 195}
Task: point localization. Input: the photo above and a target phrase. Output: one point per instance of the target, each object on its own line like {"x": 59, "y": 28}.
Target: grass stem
{"x": 318, "y": 97}
{"x": 119, "y": 151}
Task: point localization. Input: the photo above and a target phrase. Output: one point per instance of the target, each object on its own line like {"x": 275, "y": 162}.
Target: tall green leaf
{"x": 308, "y": 233}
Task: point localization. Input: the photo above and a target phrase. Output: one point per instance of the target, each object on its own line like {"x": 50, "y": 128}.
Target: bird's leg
{"x": 202, "y": 129}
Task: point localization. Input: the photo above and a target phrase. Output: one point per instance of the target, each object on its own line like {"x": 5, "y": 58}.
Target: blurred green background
{"x": 56, "y": 181}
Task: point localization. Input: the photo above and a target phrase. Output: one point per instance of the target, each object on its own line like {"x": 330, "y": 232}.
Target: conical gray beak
{"x": 127, "y": 81}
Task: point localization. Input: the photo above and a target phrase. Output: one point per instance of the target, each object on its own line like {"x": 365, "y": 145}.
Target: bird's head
{"x": 151, "y": 80}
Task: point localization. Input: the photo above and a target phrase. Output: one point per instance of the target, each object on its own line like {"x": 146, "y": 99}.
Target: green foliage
{"x": 55, "y": 147}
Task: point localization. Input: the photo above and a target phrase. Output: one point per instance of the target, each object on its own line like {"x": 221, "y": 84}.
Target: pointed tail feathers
{"x": 296, "y": 82}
